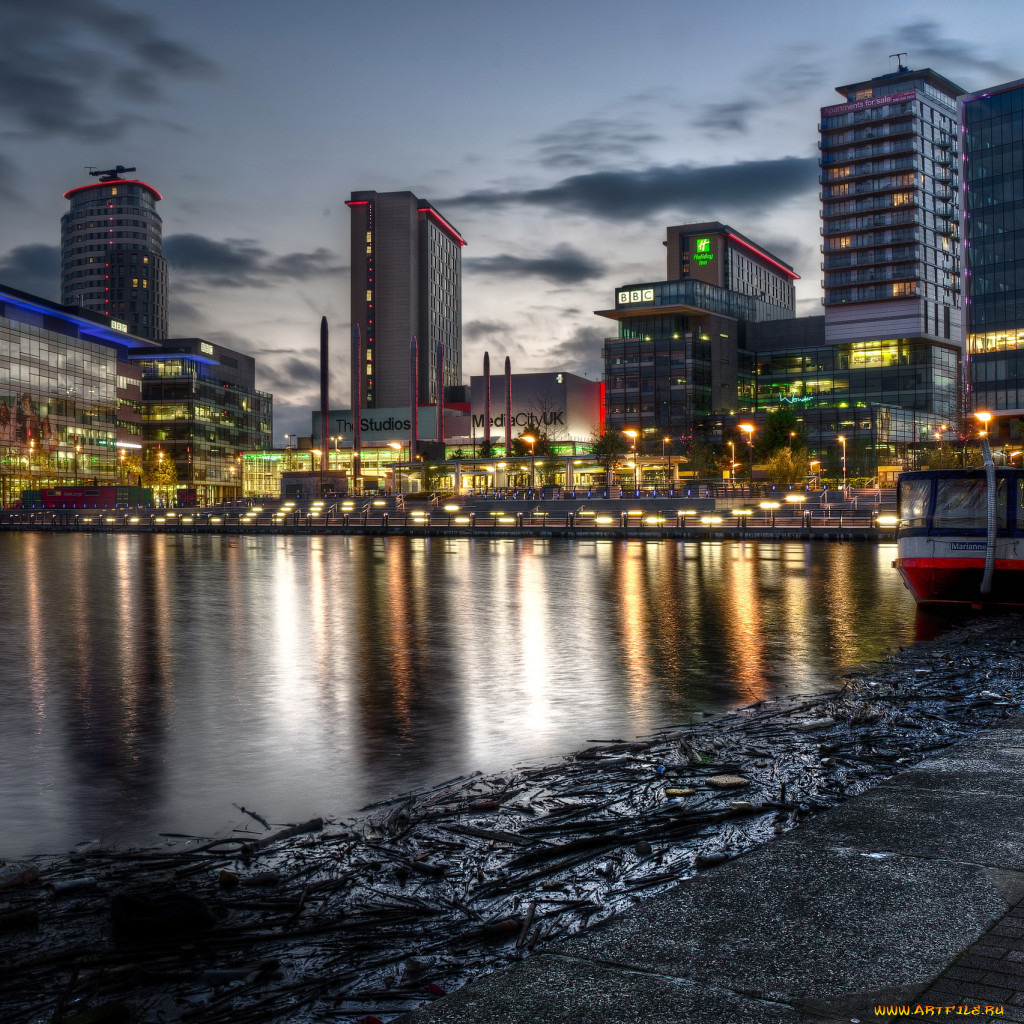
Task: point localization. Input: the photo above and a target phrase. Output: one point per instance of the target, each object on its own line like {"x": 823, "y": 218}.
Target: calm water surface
{"x": 150, "y": 683}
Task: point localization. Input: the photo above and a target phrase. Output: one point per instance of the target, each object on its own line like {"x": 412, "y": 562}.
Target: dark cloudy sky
{"x": 559, "y": 137}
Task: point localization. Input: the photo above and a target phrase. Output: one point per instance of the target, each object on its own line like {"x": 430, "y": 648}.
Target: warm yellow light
{"x": 742, "y": 512}
{"x": 631, "y": 433}
{"x": 653, "y": 521}
{"x": 529, "y": 438}
{"x": 134, "y": 519}
{"x": 795, "y": 498}
{"x": 462, "y": 520}
{"x": 378, "y": 504}
{"x": 710, "y": 520}
{"x": 506, "y": 520}
{"x": 451, "y": 508}
{"x": 213, "y": 519}
{"x": 888, "y": 520}
{"x": 603, "y": 521}
{"x": 395, "y": 445}
{"x": 769, "y": 505}
{"x": 985, "y": 417}
{"x": 747, "y": 428}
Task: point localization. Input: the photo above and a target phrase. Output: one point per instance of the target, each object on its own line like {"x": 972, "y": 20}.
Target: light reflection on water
{"x": 148, "y": 683}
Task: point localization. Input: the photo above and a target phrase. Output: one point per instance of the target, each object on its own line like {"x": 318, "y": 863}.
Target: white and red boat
{"x": 961, "y": 536}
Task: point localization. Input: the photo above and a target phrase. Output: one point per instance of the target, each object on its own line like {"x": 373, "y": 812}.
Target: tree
{"x": 946, "y": 456}
{"x": 540, "y": 447}
{"x": 606, "y": 446}
{"x": 775, "y": 434}
{"x": 701, "y": 456}
{"x": 785, "y": 467}
{"x": 129, "y": 468}
{"x": 159, "y": 471}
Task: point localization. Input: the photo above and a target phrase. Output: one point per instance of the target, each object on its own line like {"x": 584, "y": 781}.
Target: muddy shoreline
{"x": 374, "y": 916}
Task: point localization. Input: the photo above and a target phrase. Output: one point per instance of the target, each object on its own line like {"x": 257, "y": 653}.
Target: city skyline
{"x": 561, "y": 141}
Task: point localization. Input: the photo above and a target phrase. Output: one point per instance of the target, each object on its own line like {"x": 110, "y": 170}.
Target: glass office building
{"x": 993, "y": 175}
{"x": 65, "y": 396}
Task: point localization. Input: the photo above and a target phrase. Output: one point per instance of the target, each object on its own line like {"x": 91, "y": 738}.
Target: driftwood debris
{"x": 371, "y": 917}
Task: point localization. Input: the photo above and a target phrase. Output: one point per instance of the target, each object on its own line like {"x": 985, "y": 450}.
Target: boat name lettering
{"x": 967, "y": 545}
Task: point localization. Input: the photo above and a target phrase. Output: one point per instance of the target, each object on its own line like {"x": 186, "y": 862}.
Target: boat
{"x": 960, "y": 539}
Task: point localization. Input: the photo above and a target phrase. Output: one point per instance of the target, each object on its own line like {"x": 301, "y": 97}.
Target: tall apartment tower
{"x": 890, "y": 209}
{"x": 993, "y": 178}
{"x": 111, "y": 258}
{"x": 406, "y": 282}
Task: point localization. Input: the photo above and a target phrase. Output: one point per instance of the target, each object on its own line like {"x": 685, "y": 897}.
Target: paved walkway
{"x": 904, "y": 901}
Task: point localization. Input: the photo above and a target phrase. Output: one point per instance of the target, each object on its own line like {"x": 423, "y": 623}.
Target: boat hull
{"x": 950, "y": 571}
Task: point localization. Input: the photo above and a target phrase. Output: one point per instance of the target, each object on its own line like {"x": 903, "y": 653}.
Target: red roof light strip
{"x": 430, "y": 211}
{"x": 765, "y": 257}
{"x": 104, "y": 184}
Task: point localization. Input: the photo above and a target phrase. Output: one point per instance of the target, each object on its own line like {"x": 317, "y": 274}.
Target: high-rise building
{"x": 993, "y": 177}
{"x": 679, "y": 356}
{"x": 406, "y": 282}
{"x": 890, "y": 209}
{"x": 111, "y": 253}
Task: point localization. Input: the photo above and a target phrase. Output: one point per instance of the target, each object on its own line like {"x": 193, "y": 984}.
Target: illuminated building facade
{"x": 68, "y": 398}
{"x": 200, "y": 406}
{"x": 406, "y": 282}
{"x": 890, "y": 209}
{"x": 680, "y": 355}
{"x": 993, "y": 176}
{"x": 111, "y": 253}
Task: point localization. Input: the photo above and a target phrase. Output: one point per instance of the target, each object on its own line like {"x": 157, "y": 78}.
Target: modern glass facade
{"x": 881, "y": 396}
{"x": 203, "y": 415}
{"x": 59, "y": 398}
{"x": 993, "y": 174}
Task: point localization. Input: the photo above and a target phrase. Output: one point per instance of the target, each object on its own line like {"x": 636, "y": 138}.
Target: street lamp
{"x": 986, "y": 418}
{"x": 396, "y": 446}
{"x": 792, "y": 434}
{"x": 634, "y": 434}
{"x": 748, "y": 429}
{"x": 842, "y": 441}
{"x": 532, "y": 441}
{"x": 668, "y": 468}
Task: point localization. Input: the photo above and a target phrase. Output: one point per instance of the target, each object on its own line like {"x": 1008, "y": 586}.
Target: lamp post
{"x": 842, "y": 441}
{"x": 634, "y": 434}
{"x": 748, "y": 429}
{"x": 792, "y": 434}
{"x": 532, "y": 441}
{"x": 320, "y": 455}
{"x": 668, "y": 464}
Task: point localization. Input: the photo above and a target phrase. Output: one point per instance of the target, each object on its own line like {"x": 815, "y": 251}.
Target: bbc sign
{"x": 636, "y": 295}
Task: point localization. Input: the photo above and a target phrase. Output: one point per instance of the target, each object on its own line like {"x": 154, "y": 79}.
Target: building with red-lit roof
{"x": 406, "y": 282}
{"x": 112, "y": 254}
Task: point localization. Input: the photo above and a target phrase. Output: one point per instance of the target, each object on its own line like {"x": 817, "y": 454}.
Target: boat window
{"x": 914, "y": 501}
{"x": 961, "y": 504}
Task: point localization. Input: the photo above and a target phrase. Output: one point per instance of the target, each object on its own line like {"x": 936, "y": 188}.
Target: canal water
{"x": 155, "y": 683}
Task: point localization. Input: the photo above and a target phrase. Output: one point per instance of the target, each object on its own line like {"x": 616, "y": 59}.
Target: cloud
{"x": 34, "y": 269}
{"x": 563, "y": 265}
{"x": 477, "y": 330}
{"x": 626, "y": 195}
{"x": 927, "y": 47}
{"x": 590, "y": 141}
{"x": 241, "y": 262}
{"x": 725, "y": 118}
{"x": 580, "y": 352}
{"x": 73, "y": 69}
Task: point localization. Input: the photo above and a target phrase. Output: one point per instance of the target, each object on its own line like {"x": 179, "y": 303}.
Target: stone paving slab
{"x": 830, "y": 931}
{"x": 549, "y": 989}
{"x": 967, "y": 827}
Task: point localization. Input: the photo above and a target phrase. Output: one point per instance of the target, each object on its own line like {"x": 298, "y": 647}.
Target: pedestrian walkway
{"x": 904, "y": 901}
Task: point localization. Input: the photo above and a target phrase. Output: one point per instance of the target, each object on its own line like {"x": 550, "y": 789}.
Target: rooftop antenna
{"x": 114, "y": 174}
{"x": 900, "y": 66}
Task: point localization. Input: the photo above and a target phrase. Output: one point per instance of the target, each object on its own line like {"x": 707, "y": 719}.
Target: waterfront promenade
{"x": 905, "y": 900}
{"x": 785, "y": 515}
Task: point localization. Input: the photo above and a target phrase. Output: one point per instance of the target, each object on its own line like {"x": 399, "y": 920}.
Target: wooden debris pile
{"x": 369, "y": 918}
